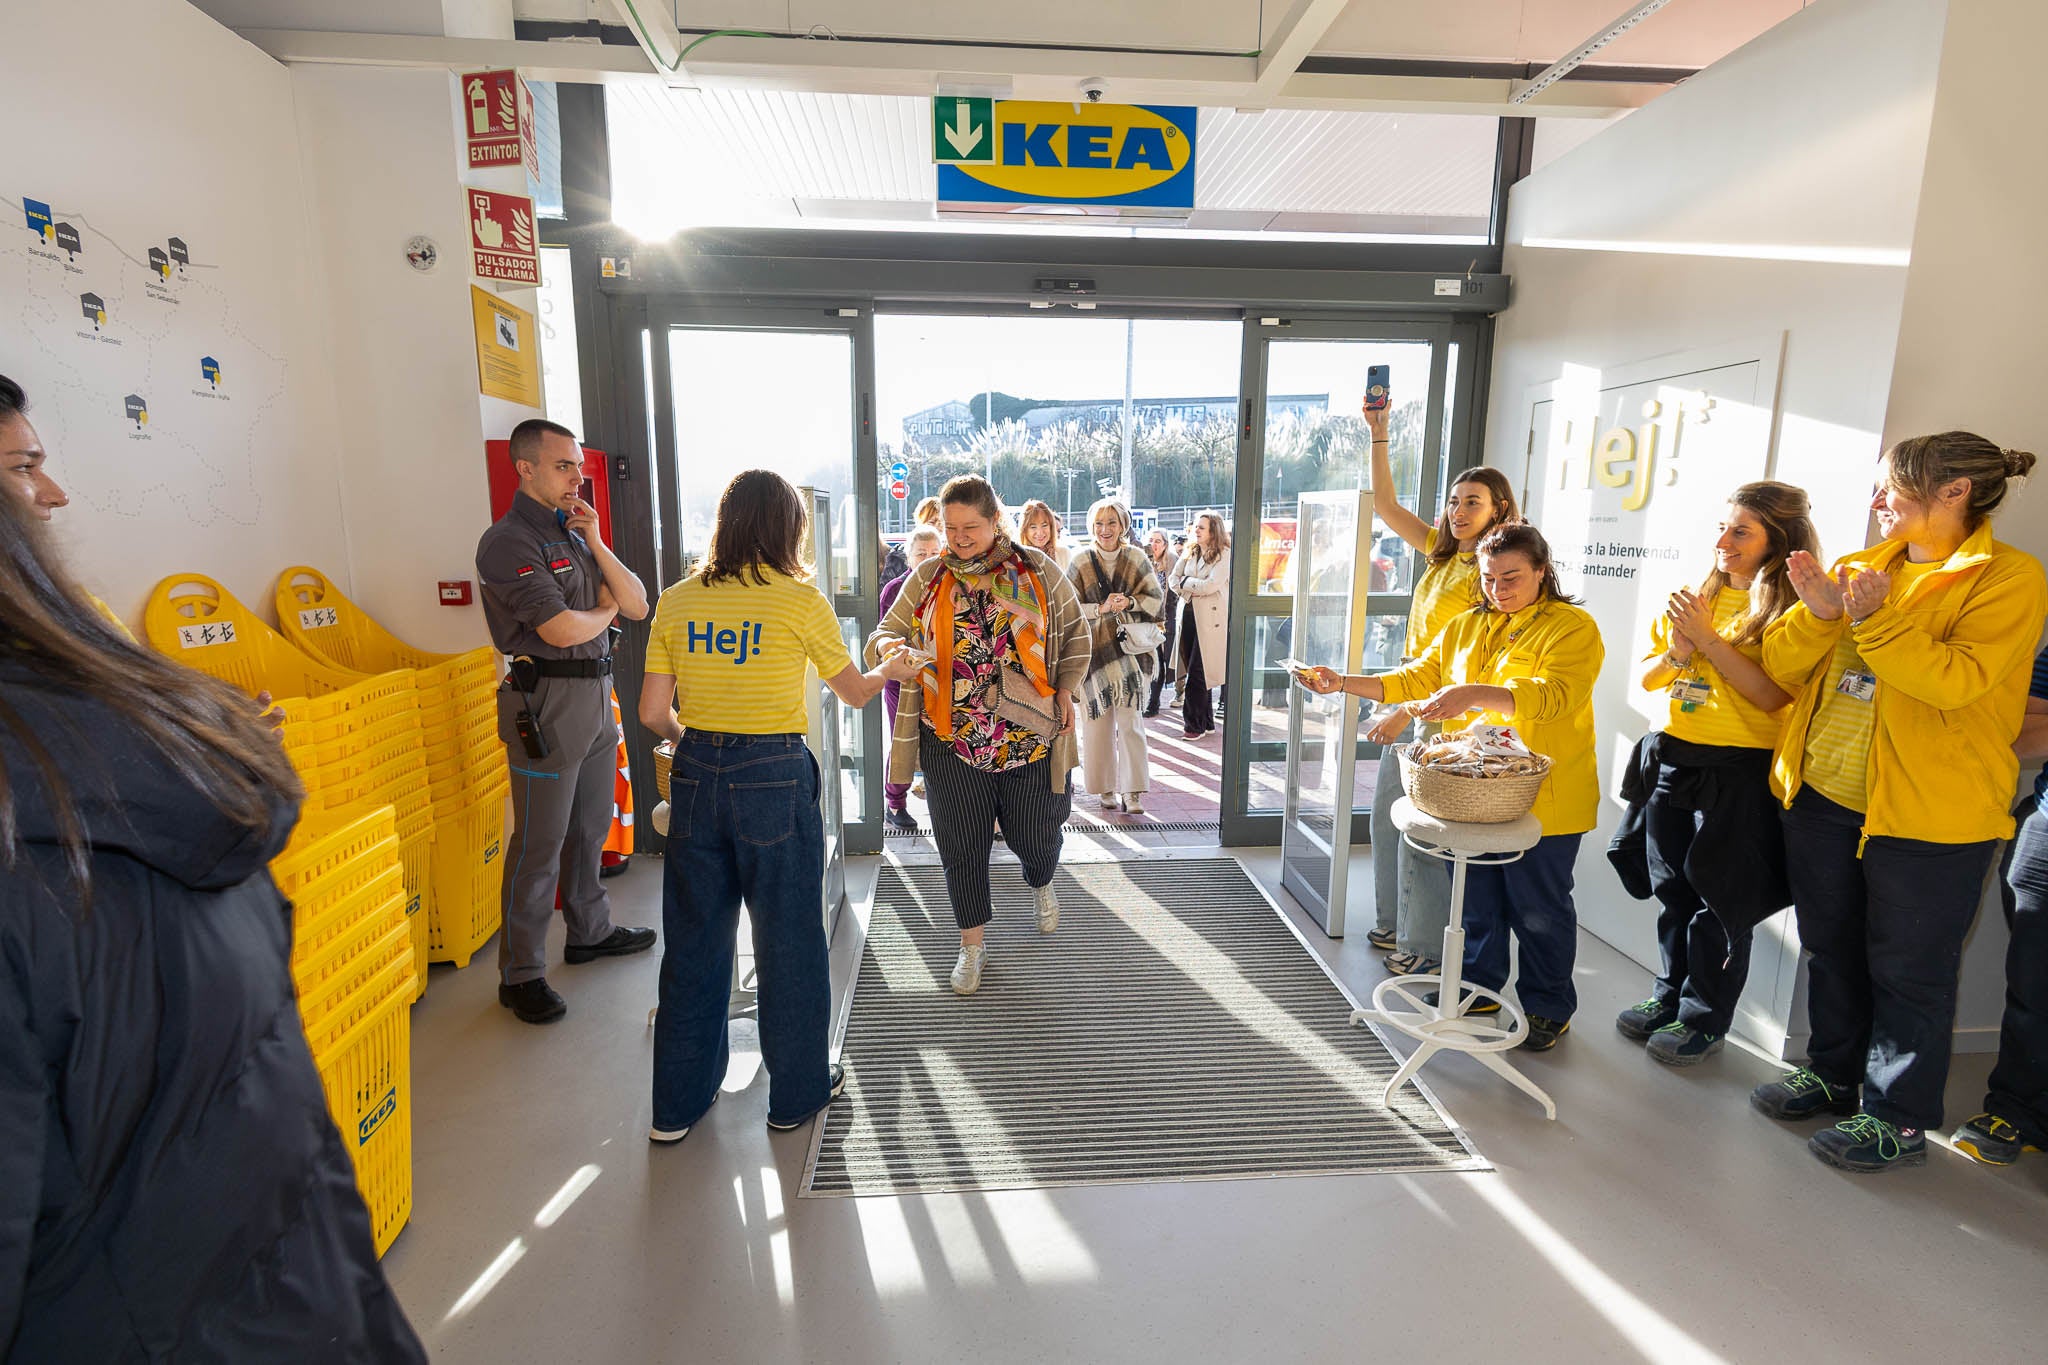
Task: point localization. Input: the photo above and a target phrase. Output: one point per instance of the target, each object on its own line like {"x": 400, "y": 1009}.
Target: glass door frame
{"x": 665, "y": 312}
{"x": 1458, "y": 396}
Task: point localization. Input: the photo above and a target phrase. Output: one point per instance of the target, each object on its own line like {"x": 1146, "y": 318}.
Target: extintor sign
{"x": 497, "y": 120}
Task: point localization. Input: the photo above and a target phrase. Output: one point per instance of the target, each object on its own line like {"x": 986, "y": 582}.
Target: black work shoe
{"x": 900, "y": 817}
{"x": 534, "y": 1002}
{"x": 1544, "y": 1033}
{"x": 1867, "y": 1144}
{"x": 1474, "y": 1004}
{"x": 838, "y": 1076}
{"x": 1802, "y": 1095}
{"x": 620, "y": 942}
{"x": 1644, "y": 1018}
{"x": 1681, "y": 1045}
{"x": 1991, "y": 1140}
{"x": 1382, "y": 939}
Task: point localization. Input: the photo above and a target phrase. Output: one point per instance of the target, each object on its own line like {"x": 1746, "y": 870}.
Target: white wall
{"x": 1775, "y": 192}
{"x": 1971, "y": 351}
{"x": 382, "y": 164}
{"x": 153, "y": 122}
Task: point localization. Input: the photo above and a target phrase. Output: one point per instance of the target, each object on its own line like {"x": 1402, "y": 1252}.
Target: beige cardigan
{"x": 1066, "y": 660}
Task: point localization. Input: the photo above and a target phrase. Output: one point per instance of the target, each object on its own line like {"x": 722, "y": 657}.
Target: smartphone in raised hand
{"x": 1378, "y": 387}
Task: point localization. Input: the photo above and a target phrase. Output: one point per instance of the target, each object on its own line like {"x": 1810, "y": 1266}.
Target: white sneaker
{"x": 1134, "y": 803}
{"x": 967, "y": 971}
{"x": 1048, "y": 908}
{"x": 1109, "y": 801}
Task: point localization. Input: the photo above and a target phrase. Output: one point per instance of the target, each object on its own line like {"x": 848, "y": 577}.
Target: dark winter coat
{"x": 171, "y": 1186}
{"x": 1737, "y": 859}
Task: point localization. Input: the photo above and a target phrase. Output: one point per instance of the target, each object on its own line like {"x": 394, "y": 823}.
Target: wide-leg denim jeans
{"x": 744, "y": 826}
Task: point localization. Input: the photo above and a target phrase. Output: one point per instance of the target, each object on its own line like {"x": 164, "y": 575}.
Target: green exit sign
{"x": 963, "y": 129}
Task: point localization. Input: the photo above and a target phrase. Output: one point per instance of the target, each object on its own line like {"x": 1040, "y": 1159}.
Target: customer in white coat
{"x": 1202, "y": 582}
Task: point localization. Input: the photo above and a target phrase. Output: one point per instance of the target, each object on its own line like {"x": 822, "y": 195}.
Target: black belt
{"x": 573, "y": 668}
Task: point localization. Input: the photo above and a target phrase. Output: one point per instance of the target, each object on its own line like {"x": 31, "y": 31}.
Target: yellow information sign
{"x": 507, "y": 350}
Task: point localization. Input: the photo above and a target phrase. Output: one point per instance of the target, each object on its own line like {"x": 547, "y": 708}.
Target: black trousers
{"x": 966, "y": 803}
{"x": 1886, "y": 933}
{"x": 1704, "y": 969}
{"x": 1197, "y": 714}
{"x": 2019, "y": 1081}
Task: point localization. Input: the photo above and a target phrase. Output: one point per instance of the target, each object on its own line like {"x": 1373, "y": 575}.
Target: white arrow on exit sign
{"x": 962, "y": 134}
{"x": 963, "y": 129}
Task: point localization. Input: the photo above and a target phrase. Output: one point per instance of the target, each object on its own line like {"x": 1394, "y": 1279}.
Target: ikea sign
{"x": 1005, "y": 152}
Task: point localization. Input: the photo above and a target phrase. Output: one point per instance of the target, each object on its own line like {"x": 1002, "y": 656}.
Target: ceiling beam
{"x": 1296, "y": 36}
{"x": 880, "y": 68}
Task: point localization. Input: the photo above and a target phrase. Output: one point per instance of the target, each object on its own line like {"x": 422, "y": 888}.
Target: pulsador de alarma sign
{"x": 1114, "y": 156}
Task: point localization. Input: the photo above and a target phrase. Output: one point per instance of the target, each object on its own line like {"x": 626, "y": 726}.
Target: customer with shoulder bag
{"x": 1121, "y": 600}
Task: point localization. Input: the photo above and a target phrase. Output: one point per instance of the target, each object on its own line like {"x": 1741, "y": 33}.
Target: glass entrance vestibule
{"x": 1175, "y": 410}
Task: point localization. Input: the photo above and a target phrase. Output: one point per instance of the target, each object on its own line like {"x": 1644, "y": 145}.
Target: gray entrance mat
{"x": 1174, "y": 1028}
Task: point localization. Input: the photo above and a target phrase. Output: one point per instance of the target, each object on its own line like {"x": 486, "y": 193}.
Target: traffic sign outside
{"x": 899, "y": 490}
{"x": 899, "y": 470}
{"x": 963, "y": 129}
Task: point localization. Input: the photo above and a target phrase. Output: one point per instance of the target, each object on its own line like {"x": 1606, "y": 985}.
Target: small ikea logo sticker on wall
{"x": 1120, "y": 155}
{"x": 376, "y": 1118}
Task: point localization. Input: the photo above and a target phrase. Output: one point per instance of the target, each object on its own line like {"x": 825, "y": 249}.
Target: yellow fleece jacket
{"x": 1952, "y": 656}
{"x": 1547, "y": 655}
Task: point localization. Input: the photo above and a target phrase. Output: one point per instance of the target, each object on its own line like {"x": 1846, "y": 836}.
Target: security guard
{"x": 551, "y": 589}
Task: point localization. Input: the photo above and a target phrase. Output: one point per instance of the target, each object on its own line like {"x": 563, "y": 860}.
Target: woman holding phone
{"x": 1908, "y": 667}
{"x": 1526, "y": 657}
{"x": 1712, "y": 773}
{"x": 1412, "y": 893}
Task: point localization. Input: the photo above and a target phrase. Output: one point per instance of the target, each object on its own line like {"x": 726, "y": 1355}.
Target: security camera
{"x": 1093, "y": 88}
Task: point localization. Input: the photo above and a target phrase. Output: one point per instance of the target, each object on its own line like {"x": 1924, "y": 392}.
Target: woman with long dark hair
{"x": 159, "y": 1109}
{"x": 992, "y": 723}
{"x": 1708, "y": 774}
{"x": 725, "y": 681}
{"x": 1527, "y": 657}
{"x": 1202, "y": 582}
{"x": 1412, "y": 892}
{"x": 1908, "y": 666}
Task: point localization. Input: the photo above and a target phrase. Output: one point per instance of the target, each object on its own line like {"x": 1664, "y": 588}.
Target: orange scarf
{"x": 1018, "y": 592}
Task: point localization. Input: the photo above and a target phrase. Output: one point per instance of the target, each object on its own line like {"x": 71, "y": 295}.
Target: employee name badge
{"x": 1861, "y": 686}
{"x": 1691, "y": 693}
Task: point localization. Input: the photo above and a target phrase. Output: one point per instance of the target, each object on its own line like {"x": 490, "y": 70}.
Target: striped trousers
{"x": 965, "y": 805}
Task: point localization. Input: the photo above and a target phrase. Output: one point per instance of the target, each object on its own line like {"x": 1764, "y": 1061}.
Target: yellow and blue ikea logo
{"x": 1109, "y": 154}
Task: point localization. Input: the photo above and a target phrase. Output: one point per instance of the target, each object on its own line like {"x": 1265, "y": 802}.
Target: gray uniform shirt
{"x": 532, "y": 568}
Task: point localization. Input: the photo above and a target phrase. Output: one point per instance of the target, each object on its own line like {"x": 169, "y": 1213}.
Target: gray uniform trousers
{"x": 561, "y": 813}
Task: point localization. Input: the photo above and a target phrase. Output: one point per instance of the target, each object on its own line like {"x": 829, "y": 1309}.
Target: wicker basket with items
{"x": 1483, "y": 775}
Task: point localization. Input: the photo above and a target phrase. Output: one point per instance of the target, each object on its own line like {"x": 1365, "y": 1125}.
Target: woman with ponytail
{"x": 1715, "y": 853}
{"x": 1908, "y": 665}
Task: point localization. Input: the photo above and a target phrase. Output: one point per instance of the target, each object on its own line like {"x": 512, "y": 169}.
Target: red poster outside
{"x": 498, "y": 120}
{"x": 501, "y": 237}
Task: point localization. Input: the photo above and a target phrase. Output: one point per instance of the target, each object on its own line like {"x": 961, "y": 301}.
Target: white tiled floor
{"x": 1658, "y": 1219}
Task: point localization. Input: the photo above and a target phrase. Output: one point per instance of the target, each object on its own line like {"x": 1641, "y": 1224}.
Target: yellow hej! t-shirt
{"x": 737, "y": 651}
{"x": 1724, "y": 716}
{"x": 1446, "y": 591}
{"x": 1838, "y": 739}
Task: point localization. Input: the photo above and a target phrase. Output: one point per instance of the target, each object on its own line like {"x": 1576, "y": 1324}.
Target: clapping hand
{"x": 1864, "y": 593}
{"x": 1821, "y": 594}
{"x": 1691, "y": 618}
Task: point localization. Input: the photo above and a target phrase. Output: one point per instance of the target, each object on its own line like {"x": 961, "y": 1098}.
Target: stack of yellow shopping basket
{"x": 468, "y": 781}
{"x": 355, "y": 740}
{"x": 352, "y": 962}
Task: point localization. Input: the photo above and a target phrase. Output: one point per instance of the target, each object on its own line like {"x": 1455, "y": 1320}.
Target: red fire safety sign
{"x": 497, "y": 116}
{"x": 501, "y": 237}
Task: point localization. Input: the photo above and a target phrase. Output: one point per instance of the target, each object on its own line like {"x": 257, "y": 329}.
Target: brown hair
{"x": 1504, "y": 509}
{"x": 1919, "y": 465}
{"x": 208, "y": 731}
{"x": 1033, "y": 510}
{"x": 1219, "y": 536}
{"x": 927, "y": 512}
{"x": 972, "y": 490}
{"x": 1785, "y": 514}
{"x": 1520, "y": 538}
{"x": 760, "y": 524}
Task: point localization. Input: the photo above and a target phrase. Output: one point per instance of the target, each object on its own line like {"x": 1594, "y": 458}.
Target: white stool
{"x": 1445, "y": 1026}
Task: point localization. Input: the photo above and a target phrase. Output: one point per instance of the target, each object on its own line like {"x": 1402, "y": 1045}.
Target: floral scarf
{"x": 1017, "y": 595}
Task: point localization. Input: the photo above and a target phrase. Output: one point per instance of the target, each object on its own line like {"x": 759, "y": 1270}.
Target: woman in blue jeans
{"x": 725, "y": 681}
